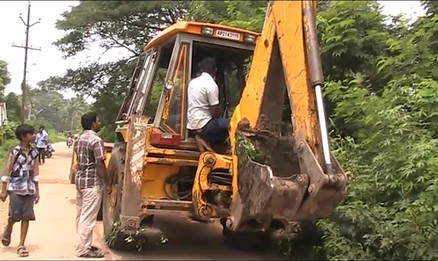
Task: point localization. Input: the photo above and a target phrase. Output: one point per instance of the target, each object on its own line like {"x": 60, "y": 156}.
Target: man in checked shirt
{"x": 91, "y": 175}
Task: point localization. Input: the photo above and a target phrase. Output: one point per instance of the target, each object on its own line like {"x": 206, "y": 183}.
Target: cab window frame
{"x": 181, "y": 89}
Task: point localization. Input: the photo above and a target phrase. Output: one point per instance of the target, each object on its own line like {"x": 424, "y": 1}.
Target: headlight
{"x": 207, "y": 31}
{"x": 249, "y": 38}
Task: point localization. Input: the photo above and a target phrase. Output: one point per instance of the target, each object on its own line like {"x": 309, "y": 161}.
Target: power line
{"x": 26, "y": 48}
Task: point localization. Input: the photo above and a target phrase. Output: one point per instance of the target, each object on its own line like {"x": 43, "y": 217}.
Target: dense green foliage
{"x": 4, "y": 77}
{"x": 50, "y": 108}
{"x": 389, "y": 112}
{"x": 8, "y": 139}
{"x": 243, "y": 14}
{"x": 381, "y": 85}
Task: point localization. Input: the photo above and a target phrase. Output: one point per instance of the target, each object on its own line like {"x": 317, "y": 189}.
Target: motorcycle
{"x": 49, "y": 151}
{"x": 69, "y": 142}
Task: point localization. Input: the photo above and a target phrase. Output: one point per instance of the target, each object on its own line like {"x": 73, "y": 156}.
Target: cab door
{"x": 173, "y": 118}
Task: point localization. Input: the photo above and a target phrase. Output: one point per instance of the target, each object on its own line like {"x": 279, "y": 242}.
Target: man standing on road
{"x": 41, "y": 144}
{"x": 91, "y": 175}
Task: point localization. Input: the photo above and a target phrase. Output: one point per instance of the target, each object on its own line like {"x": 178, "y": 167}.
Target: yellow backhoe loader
{"x": 278, "y": 170}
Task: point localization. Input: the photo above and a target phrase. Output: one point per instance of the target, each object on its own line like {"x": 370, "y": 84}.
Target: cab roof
{"x": 195, "y": 28}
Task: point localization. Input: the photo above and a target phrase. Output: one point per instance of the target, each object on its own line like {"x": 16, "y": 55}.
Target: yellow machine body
{"x": 155, "y": 165}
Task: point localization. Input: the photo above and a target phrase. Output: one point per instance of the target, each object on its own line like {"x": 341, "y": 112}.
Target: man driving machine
{"x": 203, "y": 111}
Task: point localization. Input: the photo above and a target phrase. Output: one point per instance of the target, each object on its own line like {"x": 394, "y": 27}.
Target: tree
{"x": 4, "y": 78}
{"x": 119, "y": 24}
{"x": 430, "y": 6}
{"x": 74, "y": 109}
{"x": 13, "y": 106}
{"x": 116, "y": 24}
{"x": 47, "y": 106}
{"x": 353, "y": 36}
{"x": 390, "y": 150}
{"x": 50, "y": 107}
{"x": 243, "y": 14}
{"x": 390, "y": 211}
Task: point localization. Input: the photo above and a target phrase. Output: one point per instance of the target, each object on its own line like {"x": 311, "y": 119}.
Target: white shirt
{"x": 202, "y": 93}
{"x": 40, "y": 140}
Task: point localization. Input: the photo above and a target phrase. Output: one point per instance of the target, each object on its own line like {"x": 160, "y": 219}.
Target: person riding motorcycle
{"x": 69, "y": 139}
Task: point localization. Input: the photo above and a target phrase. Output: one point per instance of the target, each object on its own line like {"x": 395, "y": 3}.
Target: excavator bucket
{"x": 284, "y": 176}
{"x": 279, "y": 178}
{"x": 263, "y": 194}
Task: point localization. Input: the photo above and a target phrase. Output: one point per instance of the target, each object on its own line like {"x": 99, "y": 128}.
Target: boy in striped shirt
{"x": 20, "y": 183}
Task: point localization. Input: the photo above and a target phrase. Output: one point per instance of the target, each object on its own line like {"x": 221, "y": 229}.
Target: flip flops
{"x": 22, "y": 251}
{"x": 6, "y": 238}
{"x": 92, "y": 254}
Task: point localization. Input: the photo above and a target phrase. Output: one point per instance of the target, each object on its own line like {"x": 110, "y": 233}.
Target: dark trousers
{"x": 215, "y": 131}
{"x": 41, "y": 155}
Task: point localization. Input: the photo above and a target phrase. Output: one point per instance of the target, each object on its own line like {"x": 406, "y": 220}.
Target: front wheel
{"x": 48, "y": 155}
{"x": 100, "y": 213}
{"x": 112, "y": 205}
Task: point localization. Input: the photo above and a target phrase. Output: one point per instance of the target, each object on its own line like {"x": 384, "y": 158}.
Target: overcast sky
{"x": 49, "y": 62}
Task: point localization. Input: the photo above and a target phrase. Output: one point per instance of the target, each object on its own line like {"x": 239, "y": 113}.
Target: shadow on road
{"x": 192, "y": 240}
{"x": 187, "y": 239}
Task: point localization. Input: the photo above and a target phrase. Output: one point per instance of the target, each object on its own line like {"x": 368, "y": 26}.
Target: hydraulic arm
{"x": 276, "y": 175}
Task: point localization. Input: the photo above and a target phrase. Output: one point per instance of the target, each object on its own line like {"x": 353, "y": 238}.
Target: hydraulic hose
{"x": 186, "y": 180}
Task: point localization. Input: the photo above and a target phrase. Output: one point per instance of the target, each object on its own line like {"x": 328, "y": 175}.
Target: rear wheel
{"x": 72, "y": 177}
{"x": 100, "y": 213}
{"x": 112, "y": 203}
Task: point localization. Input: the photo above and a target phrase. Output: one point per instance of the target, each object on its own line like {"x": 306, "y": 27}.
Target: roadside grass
{"x": 4, "y": 150}
{"x": 56, "y": 137}
{"x": 10, "y": 143}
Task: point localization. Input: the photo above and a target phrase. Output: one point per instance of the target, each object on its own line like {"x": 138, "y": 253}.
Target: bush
{"x": 7, "y": 132}
{"x": 8, "y": 139}
{"x": 107, "y": 133}
{"x": 391, "y": 210}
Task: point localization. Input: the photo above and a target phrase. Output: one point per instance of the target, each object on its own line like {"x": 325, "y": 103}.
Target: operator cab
{"x": 158, "y": 88}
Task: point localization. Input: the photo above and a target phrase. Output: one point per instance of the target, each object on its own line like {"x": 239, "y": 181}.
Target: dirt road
{"x": 52, "y": 235}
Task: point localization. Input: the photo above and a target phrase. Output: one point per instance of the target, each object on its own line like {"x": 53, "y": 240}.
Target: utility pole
{"x": 26, "y": 49}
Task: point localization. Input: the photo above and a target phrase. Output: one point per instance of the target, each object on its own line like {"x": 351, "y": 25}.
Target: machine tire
{"x": 100, "y": 213}
{"x": 247, "y": 240}
{"x": 48, "y": 155}
{"x": 72, "y": 178}
{"x": 113, "y": 238}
